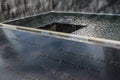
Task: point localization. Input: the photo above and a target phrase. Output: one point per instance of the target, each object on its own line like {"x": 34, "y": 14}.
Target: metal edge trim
{"x": 72, "y": 12}
{"x": 91, "y": 40}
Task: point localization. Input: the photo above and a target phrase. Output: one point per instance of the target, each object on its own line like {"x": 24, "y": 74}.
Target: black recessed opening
{"x": 62, "y": 27}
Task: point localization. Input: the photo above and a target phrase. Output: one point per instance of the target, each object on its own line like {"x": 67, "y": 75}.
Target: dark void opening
{"x": 62, "y": 27}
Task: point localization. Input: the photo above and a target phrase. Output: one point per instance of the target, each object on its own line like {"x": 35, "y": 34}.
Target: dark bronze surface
{"x": 29, "y": 56}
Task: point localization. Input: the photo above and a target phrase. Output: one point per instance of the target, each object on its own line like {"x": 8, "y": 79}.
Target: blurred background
{"x": 10, "y": 9}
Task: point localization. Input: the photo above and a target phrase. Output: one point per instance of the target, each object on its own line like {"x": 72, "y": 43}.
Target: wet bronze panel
{"x": 28, "y": 56}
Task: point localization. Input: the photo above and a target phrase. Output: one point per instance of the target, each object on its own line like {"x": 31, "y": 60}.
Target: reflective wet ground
{"x": 30, "y": 56}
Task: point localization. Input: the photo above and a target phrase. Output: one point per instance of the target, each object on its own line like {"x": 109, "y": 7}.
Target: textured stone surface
{"x": 18, "y": 8}
{"x": 100, "y": 26}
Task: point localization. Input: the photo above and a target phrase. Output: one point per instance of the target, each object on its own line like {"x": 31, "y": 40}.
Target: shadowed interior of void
{"x": 62, "y": 27}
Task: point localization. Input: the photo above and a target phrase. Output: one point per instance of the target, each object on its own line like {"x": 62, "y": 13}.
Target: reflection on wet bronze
{"x": 32, "y": 56}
